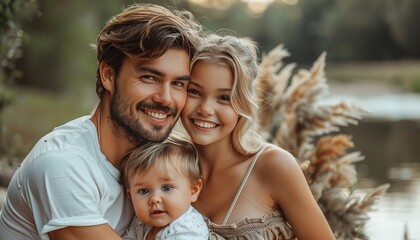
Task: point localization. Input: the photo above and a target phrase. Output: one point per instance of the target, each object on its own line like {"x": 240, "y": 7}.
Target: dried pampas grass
{"x": 292, "y": 116}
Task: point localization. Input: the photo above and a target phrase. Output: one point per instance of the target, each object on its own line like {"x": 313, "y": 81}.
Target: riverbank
{"x": 380, "y": 100}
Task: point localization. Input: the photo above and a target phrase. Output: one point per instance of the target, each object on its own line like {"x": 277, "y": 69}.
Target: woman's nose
{"x": 206, "y": 108}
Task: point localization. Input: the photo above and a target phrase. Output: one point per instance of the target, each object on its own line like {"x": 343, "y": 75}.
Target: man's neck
{"x": 113, "y": 143}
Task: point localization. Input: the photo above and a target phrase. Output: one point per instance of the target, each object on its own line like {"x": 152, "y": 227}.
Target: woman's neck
{"x": 217, "y": 156}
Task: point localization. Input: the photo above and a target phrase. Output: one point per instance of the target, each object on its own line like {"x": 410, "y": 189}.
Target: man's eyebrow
{"x": 184, "y": 78}
{"x": 151, "y": 70}
{"x": 162, "y": 74}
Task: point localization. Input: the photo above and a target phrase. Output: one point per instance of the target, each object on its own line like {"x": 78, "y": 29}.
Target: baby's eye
{"x": 167, "y": 188}
{"x": 143, "y": 191}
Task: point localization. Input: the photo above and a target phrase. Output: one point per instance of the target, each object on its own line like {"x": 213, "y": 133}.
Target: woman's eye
{"x": 225, "y": 98}
{"x": 193, "y": 92}
{"x": 167, "y": 188}
{"x": 143, "y": 191}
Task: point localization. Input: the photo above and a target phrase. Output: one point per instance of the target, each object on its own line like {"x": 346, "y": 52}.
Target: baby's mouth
{"x": 157, "y": 212}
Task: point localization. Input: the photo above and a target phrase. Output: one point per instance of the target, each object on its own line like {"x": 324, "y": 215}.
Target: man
{"x": 68, "y": 187}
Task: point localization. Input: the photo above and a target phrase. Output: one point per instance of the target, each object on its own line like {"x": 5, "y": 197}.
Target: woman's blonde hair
{"x": 176, "y": 151}
{"x": 240, "y": 56}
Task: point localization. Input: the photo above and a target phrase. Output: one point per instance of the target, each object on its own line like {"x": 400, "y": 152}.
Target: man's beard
{"x": 133, "y": 128}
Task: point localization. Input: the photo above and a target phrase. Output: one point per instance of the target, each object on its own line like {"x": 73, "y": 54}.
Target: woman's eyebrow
{"x": 219, "y": 89}
{"x": 195, "y": 84}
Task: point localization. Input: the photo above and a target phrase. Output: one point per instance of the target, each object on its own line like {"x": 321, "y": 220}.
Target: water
{"x": 398, "y": 211}
{"x": 392, "y": 156}
{"x": 394, "y": 106}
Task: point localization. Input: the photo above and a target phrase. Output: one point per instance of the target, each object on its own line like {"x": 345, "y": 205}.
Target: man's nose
{"x": 163, "y": 95}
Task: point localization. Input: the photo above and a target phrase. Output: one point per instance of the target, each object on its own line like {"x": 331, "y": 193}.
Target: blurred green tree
{"x": 12, "y": 14}
{"x": 59, "y": 57}
{"x": 356, "y": 31}
{"x": 403, "y": 17}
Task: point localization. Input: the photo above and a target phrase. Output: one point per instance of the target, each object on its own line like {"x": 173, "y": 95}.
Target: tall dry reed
{"x": 292, "y": 116}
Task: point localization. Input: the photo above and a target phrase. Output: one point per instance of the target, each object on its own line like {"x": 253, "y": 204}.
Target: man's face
{"x": 150, "y": 94}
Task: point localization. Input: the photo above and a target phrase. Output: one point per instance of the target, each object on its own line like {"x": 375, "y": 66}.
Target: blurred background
{"x": 48, "y": 72}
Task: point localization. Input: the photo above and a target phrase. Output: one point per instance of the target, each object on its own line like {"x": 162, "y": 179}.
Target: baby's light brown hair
{"x": 176, "y": 151}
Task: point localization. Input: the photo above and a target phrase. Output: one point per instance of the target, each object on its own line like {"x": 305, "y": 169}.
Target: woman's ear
{"x": 196, "y": 189}
{"x": 107, "y": 76}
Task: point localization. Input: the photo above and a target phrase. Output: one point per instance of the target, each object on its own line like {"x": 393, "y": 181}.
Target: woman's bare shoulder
{"x": 275, "y": 163}
{"x": 277, "y": 157}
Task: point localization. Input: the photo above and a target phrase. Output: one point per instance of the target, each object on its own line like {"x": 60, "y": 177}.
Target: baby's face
{"x": 161, "y": 195}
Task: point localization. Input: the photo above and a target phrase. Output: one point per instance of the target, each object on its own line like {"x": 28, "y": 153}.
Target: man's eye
{"x": 143, "y": 191}
{"x": 148, "y": 78}
{"x": 179, "y": 84}
{"x": 167, "y": 188}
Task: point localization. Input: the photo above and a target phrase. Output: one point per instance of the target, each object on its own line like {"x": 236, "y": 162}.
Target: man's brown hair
{"x": 144, "y": 31}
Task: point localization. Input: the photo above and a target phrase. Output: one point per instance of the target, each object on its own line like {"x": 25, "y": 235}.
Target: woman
{"x": 251, "y": 189}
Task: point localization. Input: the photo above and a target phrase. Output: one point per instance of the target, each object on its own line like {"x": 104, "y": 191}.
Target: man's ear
{"x": 107, "y": 76}
{"x": 196, "y": 189}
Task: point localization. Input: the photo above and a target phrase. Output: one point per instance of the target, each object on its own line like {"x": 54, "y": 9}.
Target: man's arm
{"x": 102, "y": 232}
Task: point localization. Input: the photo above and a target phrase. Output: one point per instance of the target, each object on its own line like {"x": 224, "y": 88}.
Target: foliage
{"x": 357, "y": 30}
{"x": 402, "y": 16}
{"x": 354, "y": 30}
{"x": 58, "y": 57}
{"x": 32, "y": 114}
{"x": 292, "y": 117}
{"x": 12, "y": 13}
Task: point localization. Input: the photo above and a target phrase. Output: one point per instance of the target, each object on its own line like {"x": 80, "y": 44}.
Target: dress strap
{"x": 244, "y": 180}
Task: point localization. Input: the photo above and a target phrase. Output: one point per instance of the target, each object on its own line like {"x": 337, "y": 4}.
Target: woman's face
{"x": 208, "y": 115}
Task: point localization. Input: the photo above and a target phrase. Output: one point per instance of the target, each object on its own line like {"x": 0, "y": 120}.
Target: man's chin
{"x": 158, "y": 136}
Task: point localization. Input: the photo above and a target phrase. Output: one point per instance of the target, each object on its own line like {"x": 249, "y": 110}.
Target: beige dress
{"x": 271, "y": 226}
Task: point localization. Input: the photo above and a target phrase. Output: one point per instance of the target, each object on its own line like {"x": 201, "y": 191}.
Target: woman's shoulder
{"x": 276, "y": 162}
{"x": 274, "y": 155}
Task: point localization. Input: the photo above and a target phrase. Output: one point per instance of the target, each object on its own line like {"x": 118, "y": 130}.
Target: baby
{"x": 162, "y": 180}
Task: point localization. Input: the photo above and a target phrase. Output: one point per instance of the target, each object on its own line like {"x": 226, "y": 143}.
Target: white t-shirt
{"x": 190, "y": 226}
{"x": 64, "y": 181}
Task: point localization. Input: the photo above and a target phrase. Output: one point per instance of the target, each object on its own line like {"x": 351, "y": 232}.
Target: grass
{"x": 32, "y": 114}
